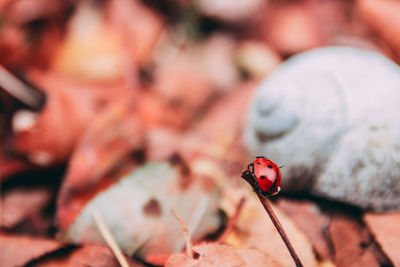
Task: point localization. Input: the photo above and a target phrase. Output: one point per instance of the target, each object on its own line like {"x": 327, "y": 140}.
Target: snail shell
{"x": 330, "y": 116}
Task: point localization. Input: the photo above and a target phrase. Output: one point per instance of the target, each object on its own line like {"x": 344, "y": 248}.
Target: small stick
{"x": 232, "y": 222}
{"x": 106, "y": 234}
{"x": 20, "y": 90}
{"x": 248, "y": 176}
{"x": 1, "y": 204}
{"x": 189, "y": 250}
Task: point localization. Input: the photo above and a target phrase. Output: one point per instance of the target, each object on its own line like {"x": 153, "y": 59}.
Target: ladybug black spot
{"x": 269, "y": 166}
{"x": 258, "y": 163}
{"x": 262, "y": 177}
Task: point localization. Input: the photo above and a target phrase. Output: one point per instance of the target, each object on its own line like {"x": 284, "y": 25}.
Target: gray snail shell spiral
{"x": 331, "y": 117}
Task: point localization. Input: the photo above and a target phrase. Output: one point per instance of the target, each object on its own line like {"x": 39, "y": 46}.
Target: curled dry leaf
{"x": 136, "y": 209}
{"x": 385, "y": 228}
{"x": 219, "y": 255}
{"x": 18, "y": 251}
{"x": 87, "y": 255}
{"x": 19, "y": 205}
{"x": 352, "y": 244}
{"x": 254, "y": 229}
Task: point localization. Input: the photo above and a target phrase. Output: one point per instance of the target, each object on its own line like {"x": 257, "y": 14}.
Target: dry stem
{"x": 105, "y": 232}
{"x": 20, "y": 90}
{"x": 189, "y": 250}
{"x": 248, "y": 176}
{"x": 232, "y": 221}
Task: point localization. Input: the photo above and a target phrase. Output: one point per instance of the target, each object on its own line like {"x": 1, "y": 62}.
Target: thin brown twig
{"x": 189, "y": 250}
{"x": 105, "y": 232}
{"x": 1, "y": 204}
{"x": 248, "y": 176}
{"x": 232, "y": 221}
{"x": 20, "y": 90}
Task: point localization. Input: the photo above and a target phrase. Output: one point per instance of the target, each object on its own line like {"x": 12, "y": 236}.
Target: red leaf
{"x": 385, "y": 228}
{"x": 20, "y": 250}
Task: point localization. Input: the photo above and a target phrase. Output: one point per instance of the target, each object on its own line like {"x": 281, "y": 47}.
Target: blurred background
{"x": 133, "y": 107}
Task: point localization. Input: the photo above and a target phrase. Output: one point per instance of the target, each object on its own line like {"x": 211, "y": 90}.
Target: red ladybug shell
{"x": 268, "y": 175}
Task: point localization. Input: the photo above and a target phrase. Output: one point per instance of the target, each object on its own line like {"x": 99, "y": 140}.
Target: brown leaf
{"x": 225, "y": 118}
{"x": 352, "y": 245}
{"x": 182, "y": 89}
{"x": 302, "y": 213}
{"x": 25, "y": 11}
{"x": 12, "y": 46}
{"x": 91, "y": 49}
{"x": 385, "y": 228}
{"x": 10, "y": 165}
{"x": 20, "y": 250}
{"x": 88, "y": 255}
{"x": 383, "y": 18}
{"x": 290, "y": 28}
{"x": 116, "y": 132}
{"x": 48, "y": 137}
{"x": 216, "y": 134}
{"x": 51, "y": 134}
{"x": 139, "y": 26}
{"x": 213, "y": 254}
{"x": 21, "y": 204}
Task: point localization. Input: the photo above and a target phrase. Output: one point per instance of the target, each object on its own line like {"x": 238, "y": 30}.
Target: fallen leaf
{"x": 230, "y": 11}
{"x": 290, "y": 28}
{"x": 137, "y": 207}
{"x": 49, "y": 136}
{"x": 304, "y": 211}
{"x": 139, "y": 26}
{"x": 213, "y": 254}
{"x": 11, "y": 165}
{"x": 256, "y": 59}
{"x": 20, "y": 250}
{"x": 20, "y": 204}
{"x": 383, "y": 18}
{"x": 385, "y": 228}
{"x": 87, "y": 255}
{"x": 225, "y": 118}
{"x": 352, "y": 245}
{"x": 91, "y": 49}
{"x": 217, "y": 134}
{"x": 25, "y": 11}
{"x": 107, "y": 141}
{"x": 183, "y": 90}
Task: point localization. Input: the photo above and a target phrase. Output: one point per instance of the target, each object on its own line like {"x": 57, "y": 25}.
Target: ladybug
{"x": 267, "y": 175}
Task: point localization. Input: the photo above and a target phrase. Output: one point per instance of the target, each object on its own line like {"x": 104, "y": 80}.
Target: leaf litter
{"x": 144, "y": 106}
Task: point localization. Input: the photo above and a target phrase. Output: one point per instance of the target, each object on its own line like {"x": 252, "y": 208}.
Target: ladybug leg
{"x": 277, "y": 191}
{"x": 250, "y": 167}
